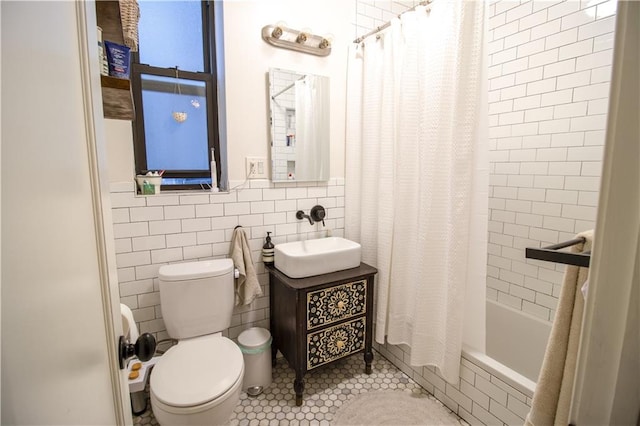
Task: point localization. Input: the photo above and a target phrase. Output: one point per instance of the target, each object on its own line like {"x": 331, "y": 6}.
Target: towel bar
{"x": 551, "y": 254}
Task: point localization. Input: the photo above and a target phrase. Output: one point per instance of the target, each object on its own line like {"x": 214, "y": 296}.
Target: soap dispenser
{"x": 267, "y": 250}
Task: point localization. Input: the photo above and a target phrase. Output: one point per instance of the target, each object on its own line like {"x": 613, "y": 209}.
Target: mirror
{"x": 299, "y": 115}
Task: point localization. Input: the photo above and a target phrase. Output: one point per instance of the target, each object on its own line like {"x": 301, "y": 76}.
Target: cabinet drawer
{"x": 335, "y": 342}
{"x": 335, "y": 304}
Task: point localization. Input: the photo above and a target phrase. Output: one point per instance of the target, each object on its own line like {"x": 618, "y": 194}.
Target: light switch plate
{"x": 257, "y": 168}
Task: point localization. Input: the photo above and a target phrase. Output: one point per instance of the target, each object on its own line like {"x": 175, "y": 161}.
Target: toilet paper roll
{"x": 129, "y": 326}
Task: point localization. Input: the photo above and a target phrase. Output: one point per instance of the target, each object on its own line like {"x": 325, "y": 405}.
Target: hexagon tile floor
{"x": 326, "y": 389}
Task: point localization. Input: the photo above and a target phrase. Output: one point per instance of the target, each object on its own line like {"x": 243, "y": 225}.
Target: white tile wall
{"x": 548, "y": 89}
{"x": 374, "y": 13}
{"x": 151, "y": 231}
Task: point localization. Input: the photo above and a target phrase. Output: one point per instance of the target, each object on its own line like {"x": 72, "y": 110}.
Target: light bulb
{"x": 302, "y": 37}
{"x": 326, "y": 41}
{"x": 277, "y": 32}
{"x": 278, "y": 29}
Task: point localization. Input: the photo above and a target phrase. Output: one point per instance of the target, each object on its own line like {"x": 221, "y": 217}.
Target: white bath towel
{"x": 552, "y": 398}
{"x": 247, "y": 285}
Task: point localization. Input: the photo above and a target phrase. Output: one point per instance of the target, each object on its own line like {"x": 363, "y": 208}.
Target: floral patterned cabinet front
{"x": 317, "y": 320}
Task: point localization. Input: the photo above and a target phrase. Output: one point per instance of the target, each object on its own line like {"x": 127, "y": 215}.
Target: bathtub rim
{"x": 502, "y": 372}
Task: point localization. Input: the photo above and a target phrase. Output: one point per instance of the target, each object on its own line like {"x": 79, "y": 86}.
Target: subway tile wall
{"x": 371, "y": 14}
{"x": 549, "y": 74}
{"x": 151, "y": 231}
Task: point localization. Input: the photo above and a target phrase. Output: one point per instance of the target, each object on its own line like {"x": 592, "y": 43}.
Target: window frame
{"x": 209, "y": 77}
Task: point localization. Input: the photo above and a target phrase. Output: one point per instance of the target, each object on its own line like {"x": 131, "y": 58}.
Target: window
{"x": 174, "y": 89}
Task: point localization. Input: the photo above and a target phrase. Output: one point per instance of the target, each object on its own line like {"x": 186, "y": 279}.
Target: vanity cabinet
{"x": 317, "y": 320}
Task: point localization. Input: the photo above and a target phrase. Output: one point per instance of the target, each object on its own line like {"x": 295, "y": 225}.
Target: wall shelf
{"x": 115, "y": 83}
{"x": 117, "y": 100}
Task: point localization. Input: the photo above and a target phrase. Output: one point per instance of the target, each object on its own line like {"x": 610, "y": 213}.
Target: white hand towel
{"x": 247, "y": 285}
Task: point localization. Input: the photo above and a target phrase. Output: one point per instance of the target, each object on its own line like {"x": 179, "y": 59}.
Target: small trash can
{"x": 255, "y": 344}
{"x": 138, "y": 403}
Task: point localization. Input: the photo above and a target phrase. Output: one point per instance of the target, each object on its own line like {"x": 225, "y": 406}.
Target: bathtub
{"x": 496, "y": 386}
{"x": 515, "y": 346}
{"x": 516, "y": 339}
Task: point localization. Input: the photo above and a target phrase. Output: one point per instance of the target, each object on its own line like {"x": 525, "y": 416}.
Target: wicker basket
{"x": 129, "y": 15}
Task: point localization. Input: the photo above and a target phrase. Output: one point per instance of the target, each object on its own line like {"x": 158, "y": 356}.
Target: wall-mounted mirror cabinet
{"x": 299, "y": 115}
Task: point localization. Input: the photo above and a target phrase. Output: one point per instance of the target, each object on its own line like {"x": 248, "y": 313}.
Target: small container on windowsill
{"x": 152, "y": 181}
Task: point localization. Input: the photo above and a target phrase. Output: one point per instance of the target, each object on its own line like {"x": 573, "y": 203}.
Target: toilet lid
{"x": 196, "y": 371}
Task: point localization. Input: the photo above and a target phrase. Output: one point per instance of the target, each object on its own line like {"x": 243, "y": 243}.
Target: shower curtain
{"x": 417, "y": 178}
{"x": 312, "y": 110}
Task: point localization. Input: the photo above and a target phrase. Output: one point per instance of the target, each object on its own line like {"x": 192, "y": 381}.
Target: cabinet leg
{"x": 368, "y": 358}
{"x": 298, "y": 387}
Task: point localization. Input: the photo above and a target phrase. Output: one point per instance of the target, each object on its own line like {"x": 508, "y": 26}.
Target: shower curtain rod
{"x": 388, "y": 23}
{"x": 287, "y": 88}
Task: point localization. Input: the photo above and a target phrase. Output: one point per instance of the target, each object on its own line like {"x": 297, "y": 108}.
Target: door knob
{"x": 144, "y": 348}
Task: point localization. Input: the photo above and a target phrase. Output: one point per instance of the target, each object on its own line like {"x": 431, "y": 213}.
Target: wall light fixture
{"x": 301, "y": 41}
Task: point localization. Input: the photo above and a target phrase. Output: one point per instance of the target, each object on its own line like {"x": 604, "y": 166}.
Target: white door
{"x": 60, "y": 310}
{"x": 607, "y": 387}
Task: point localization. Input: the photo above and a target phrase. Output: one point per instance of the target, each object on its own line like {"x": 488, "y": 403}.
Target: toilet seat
{"x": 229, "y": 399}
{"x": 197, "y": 371}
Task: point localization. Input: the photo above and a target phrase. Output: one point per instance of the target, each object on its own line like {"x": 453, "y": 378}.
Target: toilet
{"x": 198, "y": 381}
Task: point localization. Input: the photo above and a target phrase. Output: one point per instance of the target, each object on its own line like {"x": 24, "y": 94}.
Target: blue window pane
{"x": 171, "y": 144}
{"x": 170, "y": 34}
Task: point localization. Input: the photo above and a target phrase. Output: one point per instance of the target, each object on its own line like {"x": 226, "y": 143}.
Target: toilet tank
{"x": 197, "y": 298}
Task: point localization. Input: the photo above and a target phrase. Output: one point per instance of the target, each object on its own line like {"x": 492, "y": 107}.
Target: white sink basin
{"x": 300, "y": 259}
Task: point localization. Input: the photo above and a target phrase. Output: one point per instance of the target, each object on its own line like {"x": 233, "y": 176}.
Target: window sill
{"x": 183, "y": 192}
